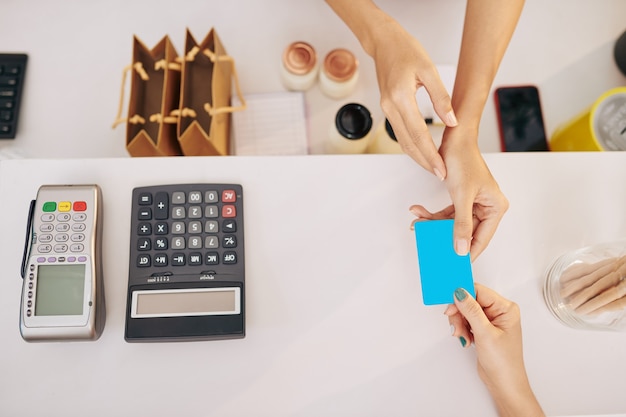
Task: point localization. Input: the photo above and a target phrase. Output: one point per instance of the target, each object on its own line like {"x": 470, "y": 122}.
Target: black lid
{"x": 353, "y": 121}
{"x": 619, "y": 53}
{"x": 389, "y": 130}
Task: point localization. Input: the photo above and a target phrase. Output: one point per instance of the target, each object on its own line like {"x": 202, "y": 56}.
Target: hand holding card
{"x": 441, "y": 270}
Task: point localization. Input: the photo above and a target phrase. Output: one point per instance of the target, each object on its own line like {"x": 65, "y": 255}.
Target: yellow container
{"x": 600, "y": 128}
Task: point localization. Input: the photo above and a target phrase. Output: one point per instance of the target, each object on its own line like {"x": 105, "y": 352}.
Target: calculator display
{"x": 186, "y": 273}
{"x": 173, "y": 303}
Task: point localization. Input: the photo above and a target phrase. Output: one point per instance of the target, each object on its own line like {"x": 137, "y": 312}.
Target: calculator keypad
{"x": 187, "y": 228}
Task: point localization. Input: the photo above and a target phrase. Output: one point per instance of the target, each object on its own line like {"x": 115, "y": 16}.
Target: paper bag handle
{"x": 138, "y": 67}
{"x": 212, "y": 111}
{"x": 162, "y": 64}
{"x": 184, "y": 112}
{"x": 158, "y": 118}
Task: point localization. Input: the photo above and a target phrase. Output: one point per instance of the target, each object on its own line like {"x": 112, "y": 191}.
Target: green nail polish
{"x": 460, "y": 294}
{"x": 463, "y": 341}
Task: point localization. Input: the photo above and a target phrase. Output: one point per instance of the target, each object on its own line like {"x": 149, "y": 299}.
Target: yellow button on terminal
{"x": 65, "y": 206}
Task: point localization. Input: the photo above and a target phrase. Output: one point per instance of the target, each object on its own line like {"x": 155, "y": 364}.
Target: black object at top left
{"x": 12, "y": 73}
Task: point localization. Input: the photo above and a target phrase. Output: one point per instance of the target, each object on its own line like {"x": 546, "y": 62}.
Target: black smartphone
{"x": 520, "y": 119}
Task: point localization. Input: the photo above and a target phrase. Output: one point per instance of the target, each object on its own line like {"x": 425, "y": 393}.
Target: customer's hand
{"x": 492, "y": 323}
{"x": 402, "y": 67}
{"x": 477, "y": 202}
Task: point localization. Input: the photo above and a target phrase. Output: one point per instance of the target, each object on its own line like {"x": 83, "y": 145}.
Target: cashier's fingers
{"x": 414, "y": 137}
{"x": 459, "y": 327}
{"x": 487, "y": 312}
{"x": 451, "y": 310}
{"x": 411, "y": 150}
{"x": 472, "y": 228}
{"x": 420, "y": 214}
{"x": 484, "y": 229}
{"x": 447, "y": 213}
{"x": 482, "y": 317}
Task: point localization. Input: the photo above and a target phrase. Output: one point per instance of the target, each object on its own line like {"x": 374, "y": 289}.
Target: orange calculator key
{"x": 229, "y": 196}
{"x": 228, "y": 210}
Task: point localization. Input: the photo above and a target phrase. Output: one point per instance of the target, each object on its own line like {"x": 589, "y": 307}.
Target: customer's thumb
{"x": 471, "y": 310}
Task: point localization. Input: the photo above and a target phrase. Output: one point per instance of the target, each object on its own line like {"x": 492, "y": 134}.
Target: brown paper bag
{"x": 204, "y": 112}
{"x": 154, "y": 94}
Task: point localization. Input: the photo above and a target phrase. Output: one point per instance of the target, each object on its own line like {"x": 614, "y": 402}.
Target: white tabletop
{"x": 335, "y": 322}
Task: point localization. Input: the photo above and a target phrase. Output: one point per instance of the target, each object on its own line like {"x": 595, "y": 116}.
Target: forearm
{"x": 521, "y": 403}
{"x": 364, "y": 19}
{"x": 510, "y": 388}
{"x": 488, "y": 28}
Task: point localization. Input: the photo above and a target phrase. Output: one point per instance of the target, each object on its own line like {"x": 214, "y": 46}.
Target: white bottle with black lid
{"x": 384, "y": 140}
{"x": 350, "y": 132}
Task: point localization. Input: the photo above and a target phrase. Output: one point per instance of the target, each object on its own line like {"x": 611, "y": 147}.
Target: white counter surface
{"x": 335, "y": 323}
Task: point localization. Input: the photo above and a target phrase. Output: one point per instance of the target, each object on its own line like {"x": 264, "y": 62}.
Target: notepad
{"x": 271, "y": 124}
{"x": 441, "y": 270}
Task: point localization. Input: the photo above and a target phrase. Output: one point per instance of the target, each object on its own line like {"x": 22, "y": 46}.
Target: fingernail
{"x": 438, "y": 174}
{"x": 451, "y": 118}
{"x": 460, "y": 294}
{"x": 462, "y": 247}
{"x": 452, "y": 329}
{"x": 463, "y": 341}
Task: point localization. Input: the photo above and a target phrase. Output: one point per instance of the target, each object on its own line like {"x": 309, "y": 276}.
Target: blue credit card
{"x": 441, "y": 270}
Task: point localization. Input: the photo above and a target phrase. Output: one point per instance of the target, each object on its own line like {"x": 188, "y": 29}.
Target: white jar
{"x": 384, "y": 140}
{"x": 350, "y": 132}
{"x": 299, "y": 67}
{"x": 339, "y": 74}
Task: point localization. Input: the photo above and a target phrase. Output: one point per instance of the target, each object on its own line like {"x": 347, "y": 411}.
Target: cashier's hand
{"x": 492, "y": 323}
{"x": 402, "y": 67}
{"x": 478, "y": 205}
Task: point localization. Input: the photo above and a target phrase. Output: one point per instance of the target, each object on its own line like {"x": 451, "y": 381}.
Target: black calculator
{"x": 186, "y": 277}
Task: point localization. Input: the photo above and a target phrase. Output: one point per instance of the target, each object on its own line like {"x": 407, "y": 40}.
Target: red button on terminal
{"x": 79, "y": 206}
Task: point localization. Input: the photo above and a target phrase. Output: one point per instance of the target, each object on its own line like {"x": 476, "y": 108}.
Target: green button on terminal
{"x": 49, "y": 206}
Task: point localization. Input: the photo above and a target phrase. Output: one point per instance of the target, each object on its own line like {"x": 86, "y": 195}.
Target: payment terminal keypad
{"x": 61, "y": 233}
{"x": 185, "y": 238}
